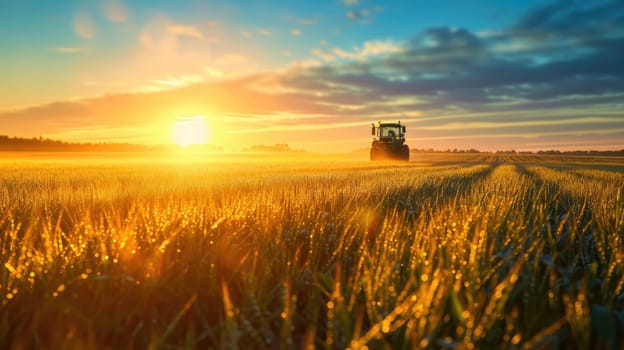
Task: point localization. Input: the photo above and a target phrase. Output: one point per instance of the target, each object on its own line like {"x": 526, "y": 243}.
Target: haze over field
{"x": 489, "y": 75}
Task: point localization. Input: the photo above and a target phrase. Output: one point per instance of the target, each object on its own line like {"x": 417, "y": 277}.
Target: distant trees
{"x": 278, "y": 147}
{"x": 619, "y": 153}
{"x": 40, "y": 144}
{"x": 455, "y": 150}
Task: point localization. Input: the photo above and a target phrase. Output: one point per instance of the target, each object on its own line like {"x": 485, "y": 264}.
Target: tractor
{"x": 389, "y": 142}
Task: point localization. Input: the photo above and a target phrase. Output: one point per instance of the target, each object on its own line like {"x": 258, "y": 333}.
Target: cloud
{"x": 115, "y": 10}
{"x": 350, "y": 2}
{"x": 230, "y": 59}
{"x": 307, "y": 21}
{"x": 84, "y": 26}
{"x": 362, "y": 16}
{"x": 263, "y": 32}
{"x": 213, "y": 73}
{"x": 295, "y": 32}
{"x": 370, "y": 48}
{"x": 185, "y": 30}
{"x": 506, "y": 124}
{"x": 567, "y": 29}
{"x": 157, "y": 35}
{"x": 304, "y": 21}
{"x": 68, "y": 50}
{"x": 323, "y": 55}
{"x": 169, "y": 41}
{"x": 455, "y": 73}
{"x": 176, "y": 82}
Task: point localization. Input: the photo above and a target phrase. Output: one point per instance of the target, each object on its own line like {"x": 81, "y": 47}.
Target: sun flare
{"x": 189, "y": 131}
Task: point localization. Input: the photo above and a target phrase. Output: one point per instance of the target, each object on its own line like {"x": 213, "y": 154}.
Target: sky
{"x": 488, "y": 75}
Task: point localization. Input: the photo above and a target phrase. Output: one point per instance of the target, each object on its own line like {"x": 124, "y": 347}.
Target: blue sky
{"x": 480, "y": 74}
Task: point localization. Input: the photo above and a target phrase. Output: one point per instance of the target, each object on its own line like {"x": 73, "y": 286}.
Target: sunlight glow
{"x": 189, "y": 131}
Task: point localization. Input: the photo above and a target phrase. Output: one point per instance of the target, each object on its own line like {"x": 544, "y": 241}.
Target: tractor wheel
{"x": 378, "y": 153}
{"x": 374, "y": 154}
{"x": 405, "y": 153}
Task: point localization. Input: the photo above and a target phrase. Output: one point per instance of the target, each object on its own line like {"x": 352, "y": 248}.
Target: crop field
{"x": 472, "y": 251}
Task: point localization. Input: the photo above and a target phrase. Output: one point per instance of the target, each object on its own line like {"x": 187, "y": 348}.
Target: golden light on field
{"x": 189, "y": 131}
{"x": 454, "y": 243}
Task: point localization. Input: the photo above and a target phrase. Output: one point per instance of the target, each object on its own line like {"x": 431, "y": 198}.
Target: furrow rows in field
{"x": 485, "y": 255}
{"x": 589, "y": 216}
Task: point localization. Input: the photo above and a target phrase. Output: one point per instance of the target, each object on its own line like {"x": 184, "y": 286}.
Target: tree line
{"x": 20, "y": 144}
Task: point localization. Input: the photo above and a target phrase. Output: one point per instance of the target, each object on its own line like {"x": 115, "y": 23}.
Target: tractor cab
{"x": 389, "y": 132}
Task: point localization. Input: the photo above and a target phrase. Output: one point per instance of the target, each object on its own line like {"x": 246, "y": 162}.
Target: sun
{"x": 189, "y": 131}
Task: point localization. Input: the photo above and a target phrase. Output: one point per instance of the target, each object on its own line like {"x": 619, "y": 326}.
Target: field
{"x": 447, "y": 251}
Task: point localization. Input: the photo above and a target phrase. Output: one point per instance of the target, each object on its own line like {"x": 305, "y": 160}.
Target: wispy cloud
{"x": 185, "y": 30}
{"x": 370, "y": 48}
{"x": 84, "y": 25}
{"x": 509, "y": 124}
{"x": 263, "y": 32}
{"x": 180, "y": 81}
{"x": 328, "y": 57}
{"x": 232, "y": 58}
{"x": 295, "y": 32}
{"x": 307, "y": 21}
{"x": 115, "y": 10}
{"x": 68, "y": 50}
{"x": 363, "y": 16}
{"x": 303, "y": 21}
{"x": 165, "y": 41}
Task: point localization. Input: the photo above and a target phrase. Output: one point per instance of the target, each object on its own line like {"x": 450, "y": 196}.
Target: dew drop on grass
{"x": 385, "y": 326}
